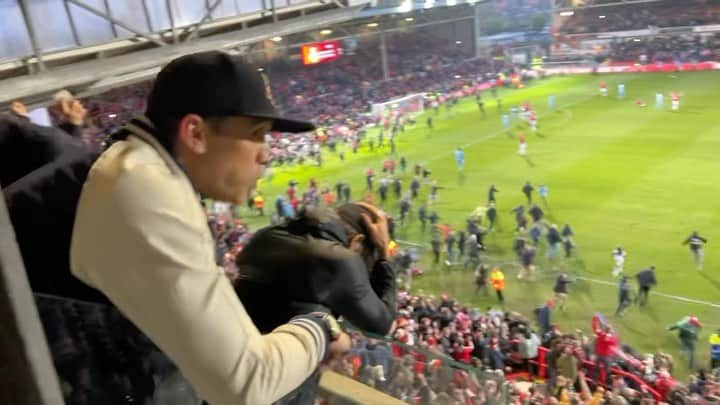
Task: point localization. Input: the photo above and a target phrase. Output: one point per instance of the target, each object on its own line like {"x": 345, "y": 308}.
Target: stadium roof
{"x": 89, "y": 70}
{"x": 93, "y": 69}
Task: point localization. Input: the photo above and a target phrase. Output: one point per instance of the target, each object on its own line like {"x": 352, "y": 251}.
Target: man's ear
{"x": 356, "y": 243}
{"x": 192, "y": 134}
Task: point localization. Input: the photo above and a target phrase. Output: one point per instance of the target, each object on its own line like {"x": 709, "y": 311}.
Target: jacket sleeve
{"x": 353, "y": 295}
{"x": 141, "y": 241}
{"x": 382, "y": 280}
{"x": 71, "y": 129}
{"x": 25, "y": 147}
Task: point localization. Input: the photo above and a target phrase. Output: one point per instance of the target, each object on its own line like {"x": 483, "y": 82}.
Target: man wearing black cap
{"x": 141, "y": 236}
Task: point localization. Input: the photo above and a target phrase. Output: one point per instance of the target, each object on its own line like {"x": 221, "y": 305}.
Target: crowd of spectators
{"x": 441, "y": 352}
{"x": 666, "y": 49}
{"x": 666, "y": 13}
{"x": 337, "y": 95}
{"x": 494, "y": 344}
{"x": 498, "y": 356}
{"x": 342, "y": 90}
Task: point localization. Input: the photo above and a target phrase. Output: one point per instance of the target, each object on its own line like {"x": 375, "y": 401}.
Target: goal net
{"x": 411, "y": 104}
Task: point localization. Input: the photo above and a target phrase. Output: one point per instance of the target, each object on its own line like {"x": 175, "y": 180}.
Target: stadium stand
{"x": 625, "y": 17}
{"x": 444, "y": 352}
{"x": 666, "y": 49}
{"x": 418, "y": 63}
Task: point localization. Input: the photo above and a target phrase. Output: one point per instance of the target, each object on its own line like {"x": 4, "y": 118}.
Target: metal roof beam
{"x": 117, "y": 22}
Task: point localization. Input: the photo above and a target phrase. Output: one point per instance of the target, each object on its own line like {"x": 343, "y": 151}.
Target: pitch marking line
{"x": 604, "y": 282}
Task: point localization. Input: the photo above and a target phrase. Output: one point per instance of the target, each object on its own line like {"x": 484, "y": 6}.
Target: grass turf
{"x": 618, "y": 173}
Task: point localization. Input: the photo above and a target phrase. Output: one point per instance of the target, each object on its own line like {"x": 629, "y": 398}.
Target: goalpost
{"x": 411, "y": 104}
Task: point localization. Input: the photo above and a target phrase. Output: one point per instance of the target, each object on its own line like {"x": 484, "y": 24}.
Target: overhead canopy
{"x": 96, "y": 75}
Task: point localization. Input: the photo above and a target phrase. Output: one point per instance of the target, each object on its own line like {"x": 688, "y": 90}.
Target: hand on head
{"x": 377, "y": 229}
{"x": 73, "y": 111}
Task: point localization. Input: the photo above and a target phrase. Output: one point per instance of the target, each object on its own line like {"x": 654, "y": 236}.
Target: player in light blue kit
{"x": 551, "y": 101}
{"x": 460, "y": 158}
{"x": 506, "y": 122}
{"x": 515, "y": 112}
{"x": 543, "y": 191}
{"x": 621, "y": 90}
{"x": 659, "y": 101}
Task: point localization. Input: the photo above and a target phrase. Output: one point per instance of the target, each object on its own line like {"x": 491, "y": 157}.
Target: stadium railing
{"x": 425, "y": 362}
{"x": 26, "y": 371}
{"x": 631, "y": 67}
{"x": 99, "y": 354}
{"x": 542, "y": 367}
{"x": 102, "y": 358}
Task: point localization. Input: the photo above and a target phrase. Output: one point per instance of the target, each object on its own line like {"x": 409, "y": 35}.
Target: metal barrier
{"x": 425, "y": 361}
{"x": 27, "y": 375}
{"x": 422, "y": 362}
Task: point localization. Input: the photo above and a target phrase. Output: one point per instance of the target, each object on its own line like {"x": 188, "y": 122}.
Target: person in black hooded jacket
{"x": 325, "y": 260}
{"x": 42, "y": 171}
{"x": 332, "y": 260}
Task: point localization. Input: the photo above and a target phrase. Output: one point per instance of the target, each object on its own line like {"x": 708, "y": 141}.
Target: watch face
{"x": 334, "y": 326}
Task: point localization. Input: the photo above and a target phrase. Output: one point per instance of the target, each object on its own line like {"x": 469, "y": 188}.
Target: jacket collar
{"x": 141, "y": 127}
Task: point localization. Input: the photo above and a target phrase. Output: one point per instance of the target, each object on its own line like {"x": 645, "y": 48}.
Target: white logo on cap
{"x": 268, "y": 90}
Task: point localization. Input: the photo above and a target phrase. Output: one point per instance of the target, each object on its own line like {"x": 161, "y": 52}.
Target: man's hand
{"x": 19, "y": 108}
{"x": 73, "y": 111}
{"x": 377, "y": 229}
{"x": 339, "y": 347}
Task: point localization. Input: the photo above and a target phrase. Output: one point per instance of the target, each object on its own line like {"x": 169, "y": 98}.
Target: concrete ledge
{"x": 354, "y": 391}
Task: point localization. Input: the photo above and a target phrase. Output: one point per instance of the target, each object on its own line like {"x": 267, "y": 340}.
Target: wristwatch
{"x": 331, "y": 323}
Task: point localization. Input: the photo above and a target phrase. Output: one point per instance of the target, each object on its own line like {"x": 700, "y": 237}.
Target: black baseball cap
{"x": 216, "y": 84}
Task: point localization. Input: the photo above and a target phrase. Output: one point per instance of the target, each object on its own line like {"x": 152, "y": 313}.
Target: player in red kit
{"x": 533, "y": 121}
{"x": 291, "y": 190}
{"x": 526, "y": 110}
{"x": 603, "y": 88}
{"x": 522, "y": 147}
{"x": 675, "y": 97}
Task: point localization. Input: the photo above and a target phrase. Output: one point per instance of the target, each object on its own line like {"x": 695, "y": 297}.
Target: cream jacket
{"x": 142, "y": 238}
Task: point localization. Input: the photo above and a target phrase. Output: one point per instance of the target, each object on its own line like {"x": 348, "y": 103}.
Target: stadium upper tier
{"x": 340, "y": 92}
{"x": 667, "y": 13}
{"x": 334, "y": 92}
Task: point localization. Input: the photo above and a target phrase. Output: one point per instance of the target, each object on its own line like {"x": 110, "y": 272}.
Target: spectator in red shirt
{"x": 606, "y": 346}
{"x": 462, "y": 351}
{"x": 663, "y": 383}
{"x": 291, "y": 191}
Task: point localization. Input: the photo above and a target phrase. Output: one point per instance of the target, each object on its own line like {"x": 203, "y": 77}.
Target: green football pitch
{"x": 617, "y": 172}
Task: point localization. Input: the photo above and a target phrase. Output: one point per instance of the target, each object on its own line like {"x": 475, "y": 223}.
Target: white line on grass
{"x": 603, "y": 282}
{"x": 407, "y": 242}
{"x": 674, "y": 297}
